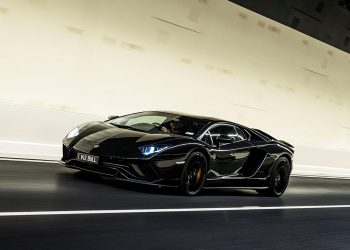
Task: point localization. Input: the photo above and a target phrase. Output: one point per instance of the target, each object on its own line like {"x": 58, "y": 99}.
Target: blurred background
{"x": 66, "y": 62}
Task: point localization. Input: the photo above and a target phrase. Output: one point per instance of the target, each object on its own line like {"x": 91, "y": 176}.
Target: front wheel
{"x": 278, "y": 180}
{"x": 194, "y": 174}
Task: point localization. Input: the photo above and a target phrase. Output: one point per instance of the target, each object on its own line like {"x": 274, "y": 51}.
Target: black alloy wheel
{"x": 194, "y": 174}
{"x": 278, "y": 180}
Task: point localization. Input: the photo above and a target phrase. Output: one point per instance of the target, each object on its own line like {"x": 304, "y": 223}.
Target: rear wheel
{"x": 278, "y": 180}
{"x": 194, "y": 174}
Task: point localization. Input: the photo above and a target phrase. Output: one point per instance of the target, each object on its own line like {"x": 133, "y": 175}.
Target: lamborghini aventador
{"x": 179, "y": 150}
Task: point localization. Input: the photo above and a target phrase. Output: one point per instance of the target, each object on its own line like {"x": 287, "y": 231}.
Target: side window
{"x": 207, "y": 138}
{"x": 223, "y": 131}
{"x": 234, "y": 133}
{"x": 241, "y": 136}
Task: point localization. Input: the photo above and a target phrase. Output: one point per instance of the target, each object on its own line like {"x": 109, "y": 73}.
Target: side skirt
{"x": 235, "y": 187}
{"x": 237, "y": 183}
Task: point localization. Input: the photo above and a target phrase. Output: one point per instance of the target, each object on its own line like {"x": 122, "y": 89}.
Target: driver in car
{"x": 174, "y": 127}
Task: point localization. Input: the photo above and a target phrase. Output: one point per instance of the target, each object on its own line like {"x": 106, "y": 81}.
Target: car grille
{"x": 130, "y": 169}
{"x": 68, "y": 153}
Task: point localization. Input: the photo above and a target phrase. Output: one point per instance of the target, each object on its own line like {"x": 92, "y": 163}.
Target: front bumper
{"x": 130, "y": 170}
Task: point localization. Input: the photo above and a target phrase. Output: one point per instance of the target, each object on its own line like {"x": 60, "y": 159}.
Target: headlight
{"x": 73, "y": 133}
{"x": 148, "y": 150}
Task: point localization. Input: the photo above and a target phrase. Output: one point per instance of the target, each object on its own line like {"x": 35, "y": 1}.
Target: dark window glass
{"x": 234, "y": 133}
{"x": 207, "y": 138}
{"x": 346, "y": 41}
{"x": 159, "y": 122}
{"x": 240, "y": 134}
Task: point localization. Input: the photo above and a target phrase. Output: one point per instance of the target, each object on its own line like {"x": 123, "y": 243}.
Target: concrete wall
{"x": 64, "y": 62}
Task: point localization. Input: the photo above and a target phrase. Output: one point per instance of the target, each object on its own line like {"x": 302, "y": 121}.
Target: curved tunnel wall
{"x": 67, "y": 62}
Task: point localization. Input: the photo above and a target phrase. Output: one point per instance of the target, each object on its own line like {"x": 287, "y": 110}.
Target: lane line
{"x": 166, "y": 210}
{"x": 31, "y": 143}
{"x": 321, "y": 176}
{"x": 28, "y": 160}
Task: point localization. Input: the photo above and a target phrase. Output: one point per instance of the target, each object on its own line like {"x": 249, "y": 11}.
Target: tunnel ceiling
{"x": 326, "y": 20}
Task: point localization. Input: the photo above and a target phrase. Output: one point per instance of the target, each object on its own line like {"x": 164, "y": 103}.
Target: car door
{"x": 230, "y": 150}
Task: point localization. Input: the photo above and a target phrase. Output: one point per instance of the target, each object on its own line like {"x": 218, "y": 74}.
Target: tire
{"x": 193, "y": 174}
{"x": 278, "y": 180}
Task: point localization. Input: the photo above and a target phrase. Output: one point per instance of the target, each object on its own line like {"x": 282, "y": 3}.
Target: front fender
{"x": 170, "y": 162}
{"x": 181, "y": 150}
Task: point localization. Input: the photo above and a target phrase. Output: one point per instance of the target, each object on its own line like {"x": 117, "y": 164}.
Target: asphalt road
{"x": 37, "y": 187}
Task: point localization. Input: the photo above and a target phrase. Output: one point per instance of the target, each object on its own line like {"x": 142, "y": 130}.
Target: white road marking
{"x": 31, "y": 143}
{"x": 166, "y": 210}
{"x": 28, "y": 160}
{"x": 320, "y": 176}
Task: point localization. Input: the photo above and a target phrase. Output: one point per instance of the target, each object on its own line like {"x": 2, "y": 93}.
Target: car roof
{"x": 217, "y": 120}
{"x": 211, "y": 119}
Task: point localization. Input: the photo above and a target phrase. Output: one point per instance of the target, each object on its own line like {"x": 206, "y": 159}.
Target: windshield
{"x": 159, "y": 122}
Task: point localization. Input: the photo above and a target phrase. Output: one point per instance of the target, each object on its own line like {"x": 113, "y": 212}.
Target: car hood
{"x": 104, "y": 139}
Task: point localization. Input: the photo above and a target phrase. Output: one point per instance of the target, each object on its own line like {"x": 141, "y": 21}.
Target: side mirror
{"x": 111, "y": 117}
{"x": 223, "y": 139}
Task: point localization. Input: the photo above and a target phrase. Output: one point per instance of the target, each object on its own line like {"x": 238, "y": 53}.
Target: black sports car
{"x": 179, "y": 150}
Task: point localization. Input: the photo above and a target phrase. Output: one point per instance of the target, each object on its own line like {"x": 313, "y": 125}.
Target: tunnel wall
{"x": 66, "y": 62}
